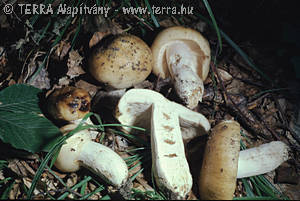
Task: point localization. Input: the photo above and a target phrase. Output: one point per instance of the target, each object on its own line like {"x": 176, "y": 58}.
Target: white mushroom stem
{"x": 261, "y": 159}
{"x": 171, "y": 169}
{"x": 80, "y": 150}
{"x": 181, "y": 61}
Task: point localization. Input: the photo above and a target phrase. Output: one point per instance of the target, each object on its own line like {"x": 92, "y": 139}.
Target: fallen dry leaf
{"x": 74, "y": 64}
{"x": 17, "y": 167}
{"x": 42, "y": 80}
{"x": 97, "y": 37}
{"x": 64, "y": 81}
{"x": 3, "y": 60}
{"x": 62, "y": 50}
{"x": 91, "y": 88}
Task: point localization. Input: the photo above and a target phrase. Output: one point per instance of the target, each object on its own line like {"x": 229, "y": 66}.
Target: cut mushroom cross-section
{"x": 134, "y": 109}
{"x": 146, "y": 107}
{"x": 223, "y": 161}
{"x": 184, "y": 55}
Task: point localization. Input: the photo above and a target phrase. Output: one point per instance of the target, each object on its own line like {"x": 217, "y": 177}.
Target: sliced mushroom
{"x": 146, "y": 107}
{"x": 223, "y": 162}
{"x": 184, "y": 55}
{"x": 134, "y": 109}
{"x": 121, "y": 61}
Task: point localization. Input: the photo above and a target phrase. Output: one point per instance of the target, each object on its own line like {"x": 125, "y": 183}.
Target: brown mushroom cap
{"x": 69, "y": 103}
{"x": 217, "y": 180}
{"x": 123, "y": 62}
{"x": 197, "y": 44}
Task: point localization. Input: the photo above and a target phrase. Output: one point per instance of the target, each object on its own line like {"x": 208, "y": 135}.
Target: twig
{"x": 143, "y": 22}
{"x": 285, "y": 122}
{"x": 228, "y": 97}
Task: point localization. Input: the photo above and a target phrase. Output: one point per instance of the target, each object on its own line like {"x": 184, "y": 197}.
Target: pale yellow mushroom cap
{"x": 125, "y": 61}
{"x": 217, "y": 180}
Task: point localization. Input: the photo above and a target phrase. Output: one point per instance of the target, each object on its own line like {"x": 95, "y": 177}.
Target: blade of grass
{"x": 92, "y": 193}
{"x": 83, "y": 187}
{"x": 122, "y": 125}
{"x": 255, "y": 186}
{"x": 49, "y": 156}
{"x": 136, "y": 149}
{"x": 214, "y": 22}
{"x": 5, "y": 194}
{"x": 238, "y": 50}
{"x": 132, "y": 137}
{"x": 247, "y": 188}
{"x": 77, "y": 32}
{"x": 84, "y": 181}
{"x": 268, "y": 91}
{"x": 157, "y": 25}
{"x": 106, "y": 197}
{"x": 136, "y": 174}
{"x": 36, "y": 16}
{"x": 136, "y": 165}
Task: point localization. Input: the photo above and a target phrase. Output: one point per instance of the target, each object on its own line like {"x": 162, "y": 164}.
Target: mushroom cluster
{"x": 184, "y": 55}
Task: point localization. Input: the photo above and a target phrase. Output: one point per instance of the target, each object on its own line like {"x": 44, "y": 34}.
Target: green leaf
{"x": 21, "y": 121}
{"x": 19, "y": 98}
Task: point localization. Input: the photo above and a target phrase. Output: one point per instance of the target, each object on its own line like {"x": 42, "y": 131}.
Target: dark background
{"x": 273, "y": 28}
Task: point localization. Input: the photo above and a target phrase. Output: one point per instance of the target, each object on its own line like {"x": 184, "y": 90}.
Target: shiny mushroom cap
{"x": 121, "y": 61}
{"x": 69, "y": 103}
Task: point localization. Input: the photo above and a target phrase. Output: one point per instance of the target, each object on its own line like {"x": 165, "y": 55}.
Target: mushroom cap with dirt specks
{"x": 69, "y": 103}
{"x": 217, "y": 180}
{"x": 121, "y": 61}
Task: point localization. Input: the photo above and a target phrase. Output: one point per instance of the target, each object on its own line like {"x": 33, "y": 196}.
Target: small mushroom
{"x": 146, "y": 107}
{"x": 69, "y": 103}
{"x": 80, "y": 150}
{"x": 184, "y": 55}
{"x": 121, "y": 61}
{"x": 223, "y": 161}
{"x": 72, "y": 104}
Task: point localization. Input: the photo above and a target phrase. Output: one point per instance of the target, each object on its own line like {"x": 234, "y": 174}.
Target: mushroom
{"x": 184, "y": 55}
{"x": 121, "y": 61}
{"x": 69, "y": 103}
{"x": 146, "y": 107}
{"x": 80, "y": 150}
{"x": 134, "y": 110}
{"x": 72, "y": 104}
{"x": 223, "y": 161}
